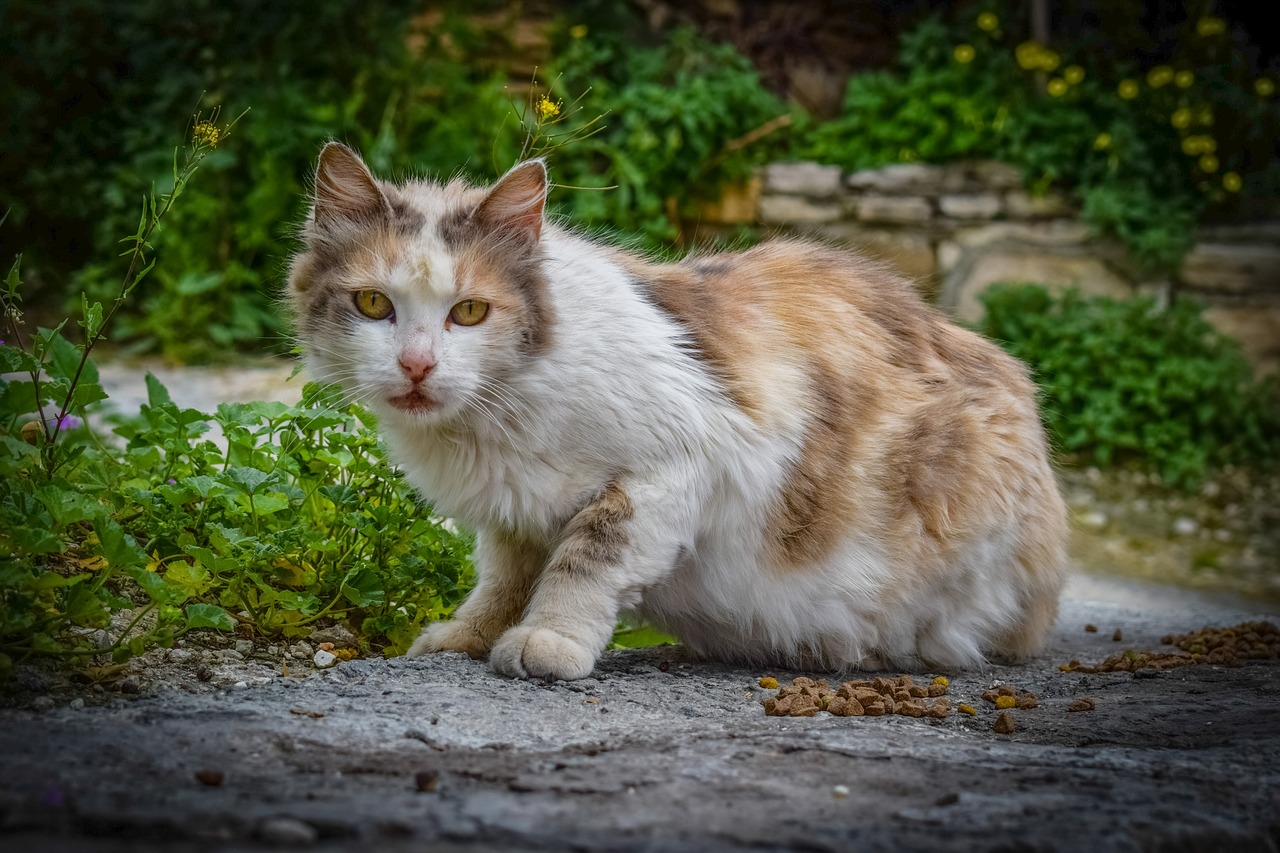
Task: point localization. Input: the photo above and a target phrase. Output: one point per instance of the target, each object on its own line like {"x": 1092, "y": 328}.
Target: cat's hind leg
{"x": 624, "y": 540}
{"x": 506, "y": 568}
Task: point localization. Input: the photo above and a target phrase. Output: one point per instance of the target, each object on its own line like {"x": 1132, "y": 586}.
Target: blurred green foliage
{"x": 91, "y": 104}
{"x": 1124, "y": 380}
{"x": 1145, "y": 150}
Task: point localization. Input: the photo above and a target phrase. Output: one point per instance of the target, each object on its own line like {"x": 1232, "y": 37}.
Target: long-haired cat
{"x": 780, "y": 455}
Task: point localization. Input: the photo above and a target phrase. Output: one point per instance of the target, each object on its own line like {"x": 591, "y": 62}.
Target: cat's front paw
{"x": 525, "y": 652}
{"x": 455, "y": 636}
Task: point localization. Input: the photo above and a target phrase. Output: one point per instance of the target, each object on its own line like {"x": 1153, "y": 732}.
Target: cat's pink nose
{"x": 416, "y": 366}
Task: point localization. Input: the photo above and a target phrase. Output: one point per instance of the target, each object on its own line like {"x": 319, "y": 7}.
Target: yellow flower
{"x": 1208, "y": 163}
{"x": 1057, "y": 87}
{"x": 578, "y": 31}
{"x": 546, "y": 108}
{"x": 1205, "y": 116}
{"x": 1264, "y": 87}
{"x": 1193, "y": 145}
{"x": 1049, "y": 60}
{"x": 206, "y": 134}
{"x": 1128, "y": 89}
{"x": 1181, "y": 118}
{"x": 1159, "y": 76}
{"x": 1210, "y": 27}
{"x": 988, "y": 21}
{"x": 1231, "y": 182}
{"x": 1103, "y": 142}
{"x": 1184, "y": 79}
{"x": 1028, "y": 55}
{"x": 1073, "y": 74}
{"x": 964, "y": 53}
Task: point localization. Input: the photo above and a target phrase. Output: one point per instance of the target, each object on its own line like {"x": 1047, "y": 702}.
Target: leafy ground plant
{"x": 111, "y": 547}
{"x": 1124, "y": 380}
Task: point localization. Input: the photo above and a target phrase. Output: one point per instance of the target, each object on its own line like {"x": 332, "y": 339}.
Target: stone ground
{"x": 654, "y": 752}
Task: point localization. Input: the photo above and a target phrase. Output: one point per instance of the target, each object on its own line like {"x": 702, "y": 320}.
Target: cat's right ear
{"x": 345, "y": 189}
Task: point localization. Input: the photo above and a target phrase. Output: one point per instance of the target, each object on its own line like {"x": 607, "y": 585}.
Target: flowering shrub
{"x": 1145, "y": 152}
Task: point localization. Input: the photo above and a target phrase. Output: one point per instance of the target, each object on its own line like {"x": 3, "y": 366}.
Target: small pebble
{"x": 427, "y": 781}
{"x": 42, "y": 703}
{"x": 1185, "y": 527}
{"x": 240, "y": 685}
{"x": 244, "y": 647}
{"x": 840, "y": 791}
{"x": 76, "y": 704}
{"x": 323, "y": 659}
{"x": 287, "y": 831}
{"x": 1091, "y": 629}
{"x": 1004, "y": 724}
{"x": 1118, "y": 636}
{"x": 211, "y": 778}
{"x": 1082, "y": 704}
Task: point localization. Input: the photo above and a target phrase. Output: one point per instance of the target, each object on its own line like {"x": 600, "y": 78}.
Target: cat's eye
{"x": 373, "y": 304}
{"x": 468, "y": 312}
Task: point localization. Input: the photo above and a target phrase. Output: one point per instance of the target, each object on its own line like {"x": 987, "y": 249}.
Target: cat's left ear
{"x": 515, "y": 204}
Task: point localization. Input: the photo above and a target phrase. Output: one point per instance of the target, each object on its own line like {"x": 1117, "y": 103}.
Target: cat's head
{"x": 421, "y": 299}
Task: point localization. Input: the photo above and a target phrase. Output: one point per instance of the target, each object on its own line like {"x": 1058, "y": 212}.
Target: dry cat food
{"x": 805, "y": 697}
{"x": 1082, "y": 704}
{"x": 1006, "y": 696}
{"x": 1004, "y": 724}
{"x": 1222, "y": 646}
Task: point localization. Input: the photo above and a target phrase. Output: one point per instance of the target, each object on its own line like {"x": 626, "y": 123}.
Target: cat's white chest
{"x": 487, "y": 484}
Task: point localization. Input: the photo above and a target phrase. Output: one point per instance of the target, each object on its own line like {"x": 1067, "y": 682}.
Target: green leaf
{"x": 13, "y": 281}
{"x": 209, "y": 616}
{"x": 118, "y": 547}
{"x": 14, "y": 360}
{"x": 247, "y": 478}
{"x": 92, "y": 317}
{"x": 157, "y": 394}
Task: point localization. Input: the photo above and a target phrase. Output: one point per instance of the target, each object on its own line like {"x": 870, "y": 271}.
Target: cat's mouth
{"x": 414, "y": 401}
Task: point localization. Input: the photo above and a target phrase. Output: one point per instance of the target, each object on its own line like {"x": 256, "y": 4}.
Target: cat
{"x": 781, "y": 456}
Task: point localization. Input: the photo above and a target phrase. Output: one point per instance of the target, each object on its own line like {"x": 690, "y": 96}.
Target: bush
{"x": 1146, "y": 153}
{"x": 1125, "y": 380}
{"x": 295, "y": 518}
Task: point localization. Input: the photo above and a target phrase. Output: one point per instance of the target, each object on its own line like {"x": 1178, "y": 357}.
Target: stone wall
{"x": 959, "y": 228}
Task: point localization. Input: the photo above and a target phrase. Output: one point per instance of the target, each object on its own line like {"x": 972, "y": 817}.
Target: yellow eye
{"x": 372, "y": 304}
{"x": 468, "y": 312}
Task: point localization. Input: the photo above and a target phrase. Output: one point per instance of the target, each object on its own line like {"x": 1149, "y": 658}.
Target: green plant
{"x": 679, "y": 125}
{"x": 293, "y": 517}
{"x": 1146, "y": 153}
{"x": 1126, "y": 380}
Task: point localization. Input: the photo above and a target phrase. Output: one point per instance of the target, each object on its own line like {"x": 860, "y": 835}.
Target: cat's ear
{"x": 515, "y": 204}
{"x": 345, "y": 189}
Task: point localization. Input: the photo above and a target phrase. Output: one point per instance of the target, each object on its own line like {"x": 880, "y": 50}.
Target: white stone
{"x": 1058, "y": 271}
{"x": 949, "y": 254}
{"x": 1094, "y": 520}
{"x": 807, "y": 179}
{"x": 323, "y": 659}
{"x": 787, "y": 209}
{"x": 1020, "y": 204}
{"x": 287, "y": 832}
{"x": 1185, "y": 526}
{"x": 244, "y": 647}
{"x": 970, "y": 205}
{"x": 903, "y": 177}
{"x": 76, "y": 704}
{"x": 1056, "y": 233}
{"x": 1256, "y": 325}
{"x": 1232, "y": 268}
{"x": 894, "y": 209}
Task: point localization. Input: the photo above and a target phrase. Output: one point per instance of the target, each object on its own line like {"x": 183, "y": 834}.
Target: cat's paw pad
{"x": 526, "y": 652}
{"x": 452, "y": 636}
